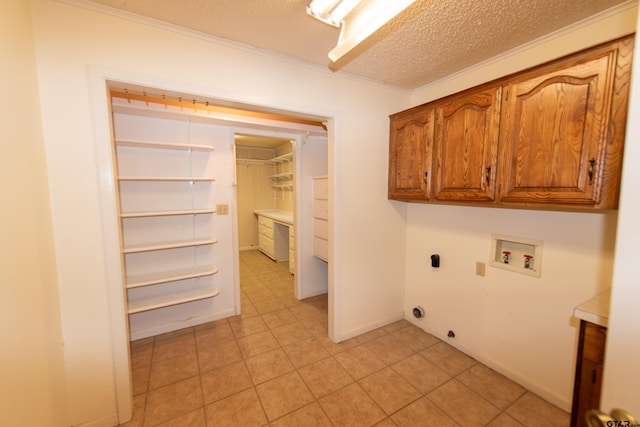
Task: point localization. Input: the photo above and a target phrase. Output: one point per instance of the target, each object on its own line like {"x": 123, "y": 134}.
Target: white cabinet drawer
{"x": 321, "y": 188}
{"x": 321, "y": 209}
{"x": 321, "y": 228}
{"x": 321, "y": 248}
{"x": 266, "y": 245}
{"x": 264, "y": 231}
{"x": 265, "y": 222}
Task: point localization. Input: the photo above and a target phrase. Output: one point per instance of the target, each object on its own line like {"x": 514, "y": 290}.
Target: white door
{"x": 621, "y": 379}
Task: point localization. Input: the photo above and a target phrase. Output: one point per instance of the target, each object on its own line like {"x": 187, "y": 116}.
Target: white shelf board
{"x": 167, "y": 213}
{"x": 162, "y": 145}
{"x": 284, "y": 158}
{"x": 139, "y": 280}
{"x": 160, "y": 301}
{"x": 282, "y": 176}
{"x": 165, "y": 178}
{"x": 167, "y": 245}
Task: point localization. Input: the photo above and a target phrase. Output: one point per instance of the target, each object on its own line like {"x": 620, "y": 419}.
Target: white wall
{"x": 32, "y": 390}
{"x": 621, "y": 370}
{"x": 519, "y": 325}
{"x": 73, "y": 44}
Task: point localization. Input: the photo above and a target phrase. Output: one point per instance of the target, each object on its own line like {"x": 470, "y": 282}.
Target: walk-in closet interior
{"x": 265, "y": 189}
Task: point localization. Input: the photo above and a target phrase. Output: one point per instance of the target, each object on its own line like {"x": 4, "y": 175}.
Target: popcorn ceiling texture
{"x": 428, "y": 41}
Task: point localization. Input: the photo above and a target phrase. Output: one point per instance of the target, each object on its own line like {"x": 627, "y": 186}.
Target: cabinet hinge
{"x": 506, "y": 95}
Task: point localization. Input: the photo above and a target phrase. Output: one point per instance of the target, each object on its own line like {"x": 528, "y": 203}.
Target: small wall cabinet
{"x": 588, "y": 379}
{"x": 465, "y": 148}
{"x": 410, "y": 154}
{"x": 549, "y": 137}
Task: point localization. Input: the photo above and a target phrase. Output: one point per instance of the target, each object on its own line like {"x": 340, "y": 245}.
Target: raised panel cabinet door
{"x": 410, "y": 142}
{"x": 563, "y": 131}
{"x": 466, "y": 146}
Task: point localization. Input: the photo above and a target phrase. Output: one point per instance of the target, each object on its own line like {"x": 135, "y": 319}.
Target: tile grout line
{"x": 308, "y": 314}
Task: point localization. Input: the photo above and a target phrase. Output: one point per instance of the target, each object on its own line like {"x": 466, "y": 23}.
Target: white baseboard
{"x": 108, "y": 421}
{"x": 180, "y": 325}
{"x": 370, "y": 327}
{"x": 560, "y": 401}
{"x": 315, "y": 293}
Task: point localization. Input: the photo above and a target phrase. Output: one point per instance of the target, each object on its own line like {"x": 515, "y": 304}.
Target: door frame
{"x": 100, "y": 80}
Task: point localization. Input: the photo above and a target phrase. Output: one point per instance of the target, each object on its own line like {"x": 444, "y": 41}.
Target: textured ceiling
{"x": 429, "y": 40}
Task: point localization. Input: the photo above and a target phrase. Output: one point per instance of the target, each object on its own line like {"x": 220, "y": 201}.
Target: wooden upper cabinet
{"x": 411, "y": 139}
{"x": 551, "y": 137}
{"x": 558, "y": 131}
{"x": 466, "y": 146}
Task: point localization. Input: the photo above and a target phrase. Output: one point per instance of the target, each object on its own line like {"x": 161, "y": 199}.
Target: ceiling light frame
{"x": 357, "y": 19}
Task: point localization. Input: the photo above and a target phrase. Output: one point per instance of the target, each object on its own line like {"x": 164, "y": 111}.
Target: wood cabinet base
{"x": 588, "y": 380}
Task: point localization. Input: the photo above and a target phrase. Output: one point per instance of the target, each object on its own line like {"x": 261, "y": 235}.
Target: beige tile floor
{"x": 274, "y": 365}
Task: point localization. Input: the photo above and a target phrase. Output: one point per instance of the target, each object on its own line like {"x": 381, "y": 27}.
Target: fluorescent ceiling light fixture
{"x": 331, "y": 12}
{"x": 357, "y": 19}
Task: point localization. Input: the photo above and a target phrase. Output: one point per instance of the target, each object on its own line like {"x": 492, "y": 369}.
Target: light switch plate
{"x": 480, "y": 267}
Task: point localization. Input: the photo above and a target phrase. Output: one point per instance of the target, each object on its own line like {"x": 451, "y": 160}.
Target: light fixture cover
{"x": 331, "y": 12}
{"x": 364, "y": 21}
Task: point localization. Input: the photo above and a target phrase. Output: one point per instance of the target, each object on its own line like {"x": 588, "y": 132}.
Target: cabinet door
{"x": 588, "y": 377}
{"x": 558, "y": 131}
{"x": 589, "y": 391}
{"x": 466, "y": 146}
{"x": 411, "y": 138}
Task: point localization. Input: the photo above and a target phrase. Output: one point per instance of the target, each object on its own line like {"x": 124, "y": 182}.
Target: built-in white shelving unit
{"x": 164, "y": 190}
{"x": 282, "y": 180}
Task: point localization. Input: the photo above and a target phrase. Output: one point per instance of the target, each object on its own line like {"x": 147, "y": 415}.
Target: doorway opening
{"x": 274, "y": 174}
{"x": 200, "y": 122}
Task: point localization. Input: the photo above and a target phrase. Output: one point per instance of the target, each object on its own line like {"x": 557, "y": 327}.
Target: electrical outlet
{"x": 222, "y": 209}
{"x": 480, "y": 268}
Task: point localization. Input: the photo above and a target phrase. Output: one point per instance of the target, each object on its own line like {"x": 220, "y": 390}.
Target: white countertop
{"x": 595, "y": 310}
{"x": 276, "y": 215}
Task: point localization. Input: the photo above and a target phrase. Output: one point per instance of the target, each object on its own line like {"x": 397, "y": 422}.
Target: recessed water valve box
{"x": 517, "y": 254}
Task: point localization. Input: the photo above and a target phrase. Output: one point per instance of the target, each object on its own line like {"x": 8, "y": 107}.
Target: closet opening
{"x": 171, "y": 203}
{"x": 265, "y": 191}
{"x": 274, "y": 175}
